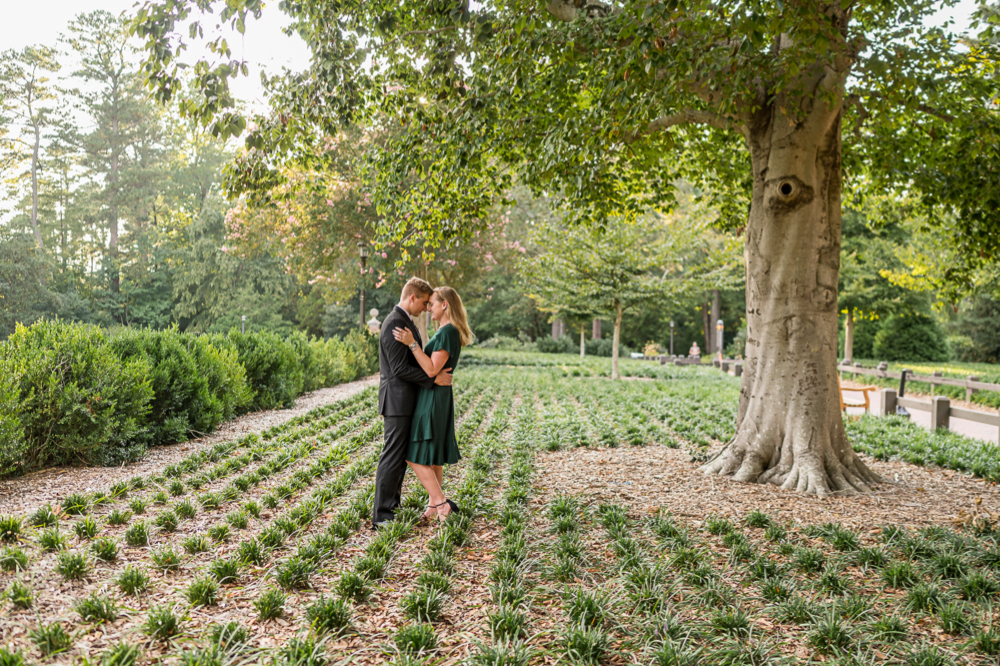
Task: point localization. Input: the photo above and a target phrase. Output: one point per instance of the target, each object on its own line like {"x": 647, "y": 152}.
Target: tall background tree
{"x": 29, "y": 97}
{"x": 584, "y": 274}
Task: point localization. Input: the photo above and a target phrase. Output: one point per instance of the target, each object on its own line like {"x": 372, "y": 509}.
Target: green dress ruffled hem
{"x": 432, "y": 434}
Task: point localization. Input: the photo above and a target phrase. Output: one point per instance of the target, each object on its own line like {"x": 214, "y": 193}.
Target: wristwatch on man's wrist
{"x": 414, "y": 346}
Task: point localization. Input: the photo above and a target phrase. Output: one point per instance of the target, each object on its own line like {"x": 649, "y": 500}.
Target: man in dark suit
{"x": 399, "y": 378}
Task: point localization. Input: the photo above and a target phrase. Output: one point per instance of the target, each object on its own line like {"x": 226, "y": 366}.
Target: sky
{"x": 263, "y": 45}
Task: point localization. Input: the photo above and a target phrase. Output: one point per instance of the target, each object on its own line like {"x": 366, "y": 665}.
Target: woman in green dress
{"x": 432, "y": 435}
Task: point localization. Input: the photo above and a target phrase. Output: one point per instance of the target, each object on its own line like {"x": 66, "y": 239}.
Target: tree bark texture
{"x": 790, "y": 430}
{"x": 583, "y": 346}
{"x": 614, "y": 342}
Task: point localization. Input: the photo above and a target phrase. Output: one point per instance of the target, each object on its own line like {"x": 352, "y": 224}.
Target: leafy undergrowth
{"x": 898, "y": 438}
{"x": 604, "y": 586}
{"x": 257, "y": 550}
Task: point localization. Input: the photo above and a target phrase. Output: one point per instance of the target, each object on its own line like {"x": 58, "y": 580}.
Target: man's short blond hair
{"x": 416, "y": 285}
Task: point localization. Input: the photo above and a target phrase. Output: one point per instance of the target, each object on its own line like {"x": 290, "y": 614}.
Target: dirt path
{"x": 26, "y": 493}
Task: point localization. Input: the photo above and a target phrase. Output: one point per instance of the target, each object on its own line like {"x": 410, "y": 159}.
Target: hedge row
{"x": 76, "y": 394}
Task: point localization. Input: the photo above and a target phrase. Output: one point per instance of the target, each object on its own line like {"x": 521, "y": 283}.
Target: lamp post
{"x": 718, "y": 327}
{"x": 671, "y": 337}
{"x": 243, "y": 323}
{"x": 363, "y": 253}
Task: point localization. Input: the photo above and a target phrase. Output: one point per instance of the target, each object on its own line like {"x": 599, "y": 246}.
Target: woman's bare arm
{"x": 430, "y": 364}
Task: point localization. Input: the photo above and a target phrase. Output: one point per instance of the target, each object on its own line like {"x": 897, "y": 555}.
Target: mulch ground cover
{"x": 587, "y": 537}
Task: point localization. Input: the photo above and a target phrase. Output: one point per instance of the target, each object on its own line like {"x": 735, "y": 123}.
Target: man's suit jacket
{"x": 399, "y": 373}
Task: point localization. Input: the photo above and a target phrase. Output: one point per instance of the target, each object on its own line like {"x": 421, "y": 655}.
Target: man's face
{"x": 418, "y": 303}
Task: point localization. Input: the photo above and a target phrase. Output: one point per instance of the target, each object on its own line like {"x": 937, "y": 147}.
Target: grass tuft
{"x": 13, "y": 558}
{"x": 195, "y": 544}
{"x": 20, "y": 594}
{"x": 415, "y": 639}
{"x": 96, "y": 607}
{"x": 50, "y": 639}
{"x": 132, "y": 580}
{"x": 162, "y": 622}
{"x": 829, "y": 635}
{"x": 585, "y": 646}
{"x": 73, "y": 565}
{"x": 270, "y": 605}
{"x": 352, "y": 586}
{"x": 329, "y": 616}
{"x": 202, "y": 591}
{"x": 119, "y": 517}
{"x": 52, "y": 540}
{"x": 86, "y": 528}
{"x": 137, "y": 535}
{"x": 423, "y": 604}
{"x": 166, "y": 559}
{"x": 225, "y": 571}
{"x": 758, "y": 519}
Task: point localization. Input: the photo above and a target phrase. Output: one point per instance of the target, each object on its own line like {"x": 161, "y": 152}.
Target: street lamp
{"x": 363, "y": 253}
{"x": 718, "y": 327}
{"x": 243, "y": 323}
{"x": 671, "y": 337}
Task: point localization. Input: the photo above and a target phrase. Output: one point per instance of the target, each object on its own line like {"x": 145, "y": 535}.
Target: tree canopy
{"x": 588, "y": 98}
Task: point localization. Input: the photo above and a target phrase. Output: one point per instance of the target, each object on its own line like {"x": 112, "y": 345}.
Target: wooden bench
{"x": 864, "y": 390}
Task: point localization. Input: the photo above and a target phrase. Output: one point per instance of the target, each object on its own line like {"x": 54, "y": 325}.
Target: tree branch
{"x": 923, "y": 108}
{"x": 689, "y": 116}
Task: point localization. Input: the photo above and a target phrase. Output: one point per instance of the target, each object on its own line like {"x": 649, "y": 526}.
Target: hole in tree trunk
{"x": 786, "y": 189}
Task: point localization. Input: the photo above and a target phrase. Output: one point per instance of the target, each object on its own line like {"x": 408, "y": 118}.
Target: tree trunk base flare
{"x": 789, "y": 427}
{"x": 806, "y": 462}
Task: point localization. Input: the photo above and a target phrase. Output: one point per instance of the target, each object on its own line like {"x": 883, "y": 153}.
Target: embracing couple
{"x": 414, "y": 397}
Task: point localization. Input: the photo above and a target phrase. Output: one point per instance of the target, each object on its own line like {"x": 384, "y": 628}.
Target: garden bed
{"x": 587, "y": 537}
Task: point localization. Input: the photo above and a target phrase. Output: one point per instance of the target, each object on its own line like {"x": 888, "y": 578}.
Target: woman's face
{"x": 438, "y": 307}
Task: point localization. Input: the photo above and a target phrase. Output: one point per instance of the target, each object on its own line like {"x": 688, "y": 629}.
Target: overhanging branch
{"x": 689, "y": 116}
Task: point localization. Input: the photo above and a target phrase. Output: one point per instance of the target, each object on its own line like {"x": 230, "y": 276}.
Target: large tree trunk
{"x": 849, "y": 337}
{"x": 614, "y": 342}
{"x": 790, "y": 431}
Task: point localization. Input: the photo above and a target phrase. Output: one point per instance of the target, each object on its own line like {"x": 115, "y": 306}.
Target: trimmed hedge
{"x": 75, "y": 394}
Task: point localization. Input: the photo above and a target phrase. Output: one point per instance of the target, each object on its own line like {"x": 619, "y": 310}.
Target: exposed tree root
{"x": 812, "y": 467}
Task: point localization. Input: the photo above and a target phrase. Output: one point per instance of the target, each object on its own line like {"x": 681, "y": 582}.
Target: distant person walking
{"x": 432, "y": 438}
{"x": 400, "y": 377}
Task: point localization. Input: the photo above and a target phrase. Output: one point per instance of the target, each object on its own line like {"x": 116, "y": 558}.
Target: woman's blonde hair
{"x": 456, "y": 313}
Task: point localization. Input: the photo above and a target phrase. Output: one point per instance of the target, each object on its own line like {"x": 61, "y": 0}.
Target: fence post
{"x": 940, "y": 406}
{"x": 969, "y": 392}
{"x": 936, "y": 373}
{"x": 737, "y": 370}
{"x": 888, "y": 401}
{"x": 725, "y": 367}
